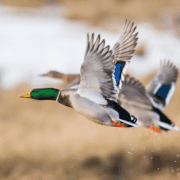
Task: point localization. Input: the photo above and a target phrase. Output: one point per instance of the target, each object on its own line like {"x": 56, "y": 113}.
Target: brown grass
{"x": 26, "y": 3}
{"x": 45, "y": 140}
{"x": 106, "y": 13}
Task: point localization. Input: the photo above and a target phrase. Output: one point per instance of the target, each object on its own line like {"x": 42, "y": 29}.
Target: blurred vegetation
{"x": 27, "y": 3}
{"x": 162, "y": 13}
{"x": 141, "y": 50}
{"x": 45, "y": 140}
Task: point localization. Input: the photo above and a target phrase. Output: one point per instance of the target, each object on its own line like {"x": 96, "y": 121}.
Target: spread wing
{"x": 97, "y": 81}
{"x": 133, "y": 93}
{"x": 124, "y": 48}
{"x": 161, "y": 88}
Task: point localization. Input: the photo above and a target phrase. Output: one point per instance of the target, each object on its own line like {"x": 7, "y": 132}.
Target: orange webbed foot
{"x": 155, "y": 129}
{"x": 118, "y": 124}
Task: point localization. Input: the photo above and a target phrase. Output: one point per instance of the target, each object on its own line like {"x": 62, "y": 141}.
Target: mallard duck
{"x": 97, "y": 95}
{"x": 70, "y": 79}
{"x": 146, "y": 104}
{"x": 157, "y": 94}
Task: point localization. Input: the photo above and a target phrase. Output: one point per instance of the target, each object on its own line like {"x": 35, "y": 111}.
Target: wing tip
{"x": 126, "y": 42}
{"x": 131, "y": 81}
{"x": 167, "y": 64}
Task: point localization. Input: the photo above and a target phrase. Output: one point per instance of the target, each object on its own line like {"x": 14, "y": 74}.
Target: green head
{"x": 42, "y": 94}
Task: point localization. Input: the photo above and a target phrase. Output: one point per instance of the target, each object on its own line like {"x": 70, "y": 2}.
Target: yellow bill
{"x": 25, "y": 96}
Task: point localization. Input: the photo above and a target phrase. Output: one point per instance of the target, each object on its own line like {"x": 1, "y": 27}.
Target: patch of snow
{"x": 34, "y": 44}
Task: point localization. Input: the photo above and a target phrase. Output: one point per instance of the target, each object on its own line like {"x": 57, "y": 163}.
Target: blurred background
{"x": 47, "y": 141}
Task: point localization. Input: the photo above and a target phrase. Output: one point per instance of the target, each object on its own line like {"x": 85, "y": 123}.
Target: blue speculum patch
{"x": 163, "y": 91}
{"x": 117, "y": 72}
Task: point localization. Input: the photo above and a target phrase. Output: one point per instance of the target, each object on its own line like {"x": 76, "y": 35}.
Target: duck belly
{"x": 144, "y": 116}
{"x": 91, "y": 110}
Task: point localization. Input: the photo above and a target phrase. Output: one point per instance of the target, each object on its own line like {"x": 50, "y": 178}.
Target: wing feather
{"x": 126, "y": 42}
{"x": 124, "y": 48}
{"x": 134, "y": 93}
{"x": 97, "y": 80}
{"x": 161, "y": 88}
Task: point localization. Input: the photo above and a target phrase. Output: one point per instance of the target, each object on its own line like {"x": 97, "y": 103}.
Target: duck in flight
{"x": 139, "y": 100}
{"x": 146, "y": 103}
{"x": 97, "y": 95}
{"x": 70, "y": 79}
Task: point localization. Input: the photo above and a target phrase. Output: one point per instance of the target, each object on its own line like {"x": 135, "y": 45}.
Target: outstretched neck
{"x": 59, "y": 75}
